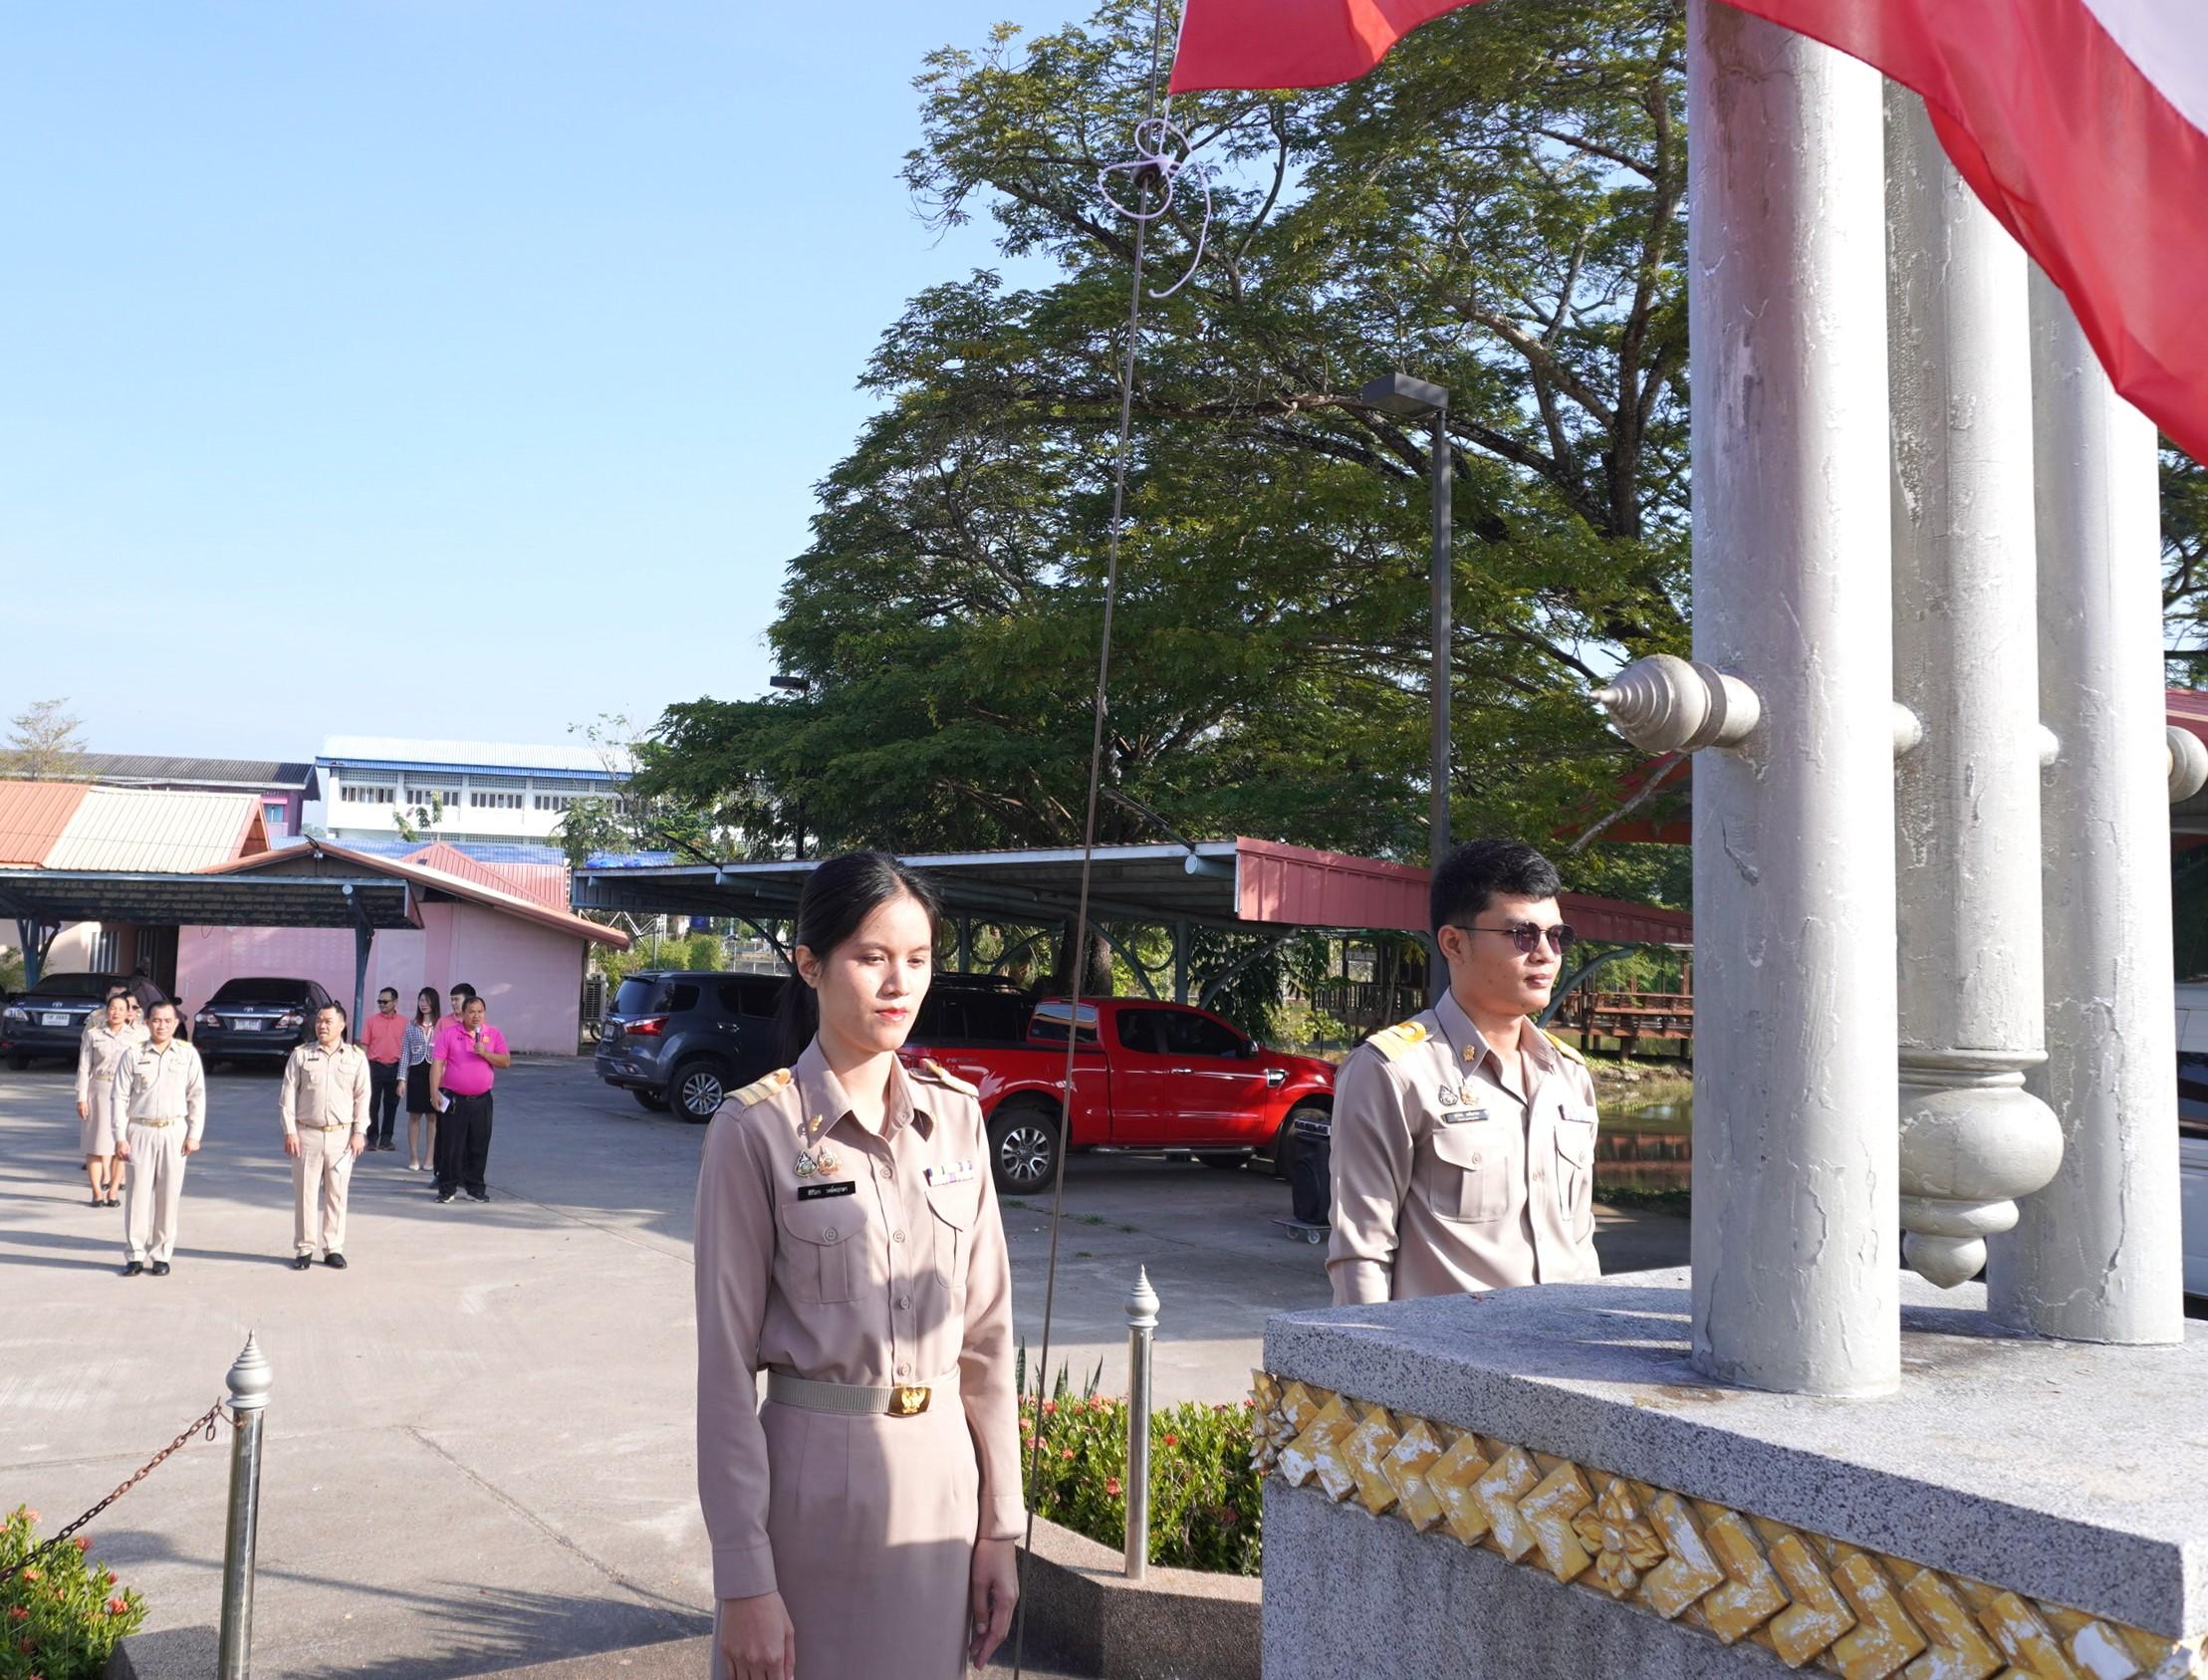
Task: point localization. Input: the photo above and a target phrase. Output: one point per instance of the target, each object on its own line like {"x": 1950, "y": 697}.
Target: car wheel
{"x": 1283, "y": 1140}
{"x": 698, "y": 1090}
{"x": 656, "y": 1100}
{"x": 1225, "y": 1163}
{"x": 1022, "y": 1148}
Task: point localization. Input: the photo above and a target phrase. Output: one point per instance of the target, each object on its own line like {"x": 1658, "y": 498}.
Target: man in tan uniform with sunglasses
{"x": 1464, "y": 1138}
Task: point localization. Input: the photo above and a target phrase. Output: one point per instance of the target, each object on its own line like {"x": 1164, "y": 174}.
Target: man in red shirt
{"x": 462, "y": 1069}
{"x": 383, "y": 1037}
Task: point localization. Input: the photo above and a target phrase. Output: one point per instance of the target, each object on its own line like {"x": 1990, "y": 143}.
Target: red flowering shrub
{"x": 62, "y": 1616}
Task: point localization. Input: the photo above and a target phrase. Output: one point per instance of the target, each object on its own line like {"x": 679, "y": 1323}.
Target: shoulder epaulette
{"x": 1562, "y": 1048}
{"x": 944, "y": 1077}
{"x": 1395, "y": 1041}
{"x": 761, "y": 1088}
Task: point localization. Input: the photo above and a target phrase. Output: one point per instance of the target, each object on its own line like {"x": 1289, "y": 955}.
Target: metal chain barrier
{"x": 207, "y": 1422}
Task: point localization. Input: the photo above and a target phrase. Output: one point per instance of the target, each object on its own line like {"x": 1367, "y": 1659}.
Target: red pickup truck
{"x": 1146, "y": 1075}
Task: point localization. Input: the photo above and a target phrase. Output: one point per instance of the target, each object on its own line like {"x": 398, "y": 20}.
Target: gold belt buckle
{"x": 908, "y": 1399}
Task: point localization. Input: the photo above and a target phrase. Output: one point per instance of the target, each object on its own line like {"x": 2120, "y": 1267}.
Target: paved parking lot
{"x": 480, "y": 1435}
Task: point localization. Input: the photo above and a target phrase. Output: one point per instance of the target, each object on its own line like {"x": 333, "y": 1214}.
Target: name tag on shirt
{"x": 1460, "y": 1117}
{"x": 820, "y": 1192}
{"x": 950, "y": 1172}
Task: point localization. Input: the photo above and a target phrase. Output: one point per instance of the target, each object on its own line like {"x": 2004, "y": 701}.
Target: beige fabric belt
{"x": 342, "y": 1126}
{"x": 851, "y": 1399}
{"x": 139, "y": 1122}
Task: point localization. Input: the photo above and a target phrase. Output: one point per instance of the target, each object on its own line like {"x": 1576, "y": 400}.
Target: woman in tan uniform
{"x": 98, "y": 1131}
{"x": 863, "y": 1519}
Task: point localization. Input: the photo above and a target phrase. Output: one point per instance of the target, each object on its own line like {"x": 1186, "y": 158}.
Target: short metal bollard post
{"x": 249, "y": 1381}
{"x": 1141, "y": 1325}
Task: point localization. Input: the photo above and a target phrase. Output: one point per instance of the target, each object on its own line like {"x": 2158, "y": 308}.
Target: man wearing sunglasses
{"x": 1464, "y": 1138}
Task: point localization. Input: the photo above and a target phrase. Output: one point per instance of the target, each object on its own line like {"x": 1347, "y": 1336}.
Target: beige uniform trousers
{"x": 321, "y": 1174}
{"x": 873, "y": 1521}
{"x": 155, "y": 1189}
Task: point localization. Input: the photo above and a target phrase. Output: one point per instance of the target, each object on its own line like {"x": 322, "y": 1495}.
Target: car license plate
{"x": 52, "y": 1020}
{"x": 249, "y": 1025}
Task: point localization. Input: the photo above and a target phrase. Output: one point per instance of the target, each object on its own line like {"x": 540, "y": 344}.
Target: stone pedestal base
{"x": 1536, "y": 1484}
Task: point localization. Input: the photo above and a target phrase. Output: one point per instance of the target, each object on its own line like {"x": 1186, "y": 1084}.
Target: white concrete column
{"x": 1965, "y": 662}
{"x": 2095, "y": 1256}
{"x": 1796, "y": 1285}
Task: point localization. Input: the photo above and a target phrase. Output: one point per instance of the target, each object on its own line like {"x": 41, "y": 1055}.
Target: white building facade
{"x": 460, "y": 792}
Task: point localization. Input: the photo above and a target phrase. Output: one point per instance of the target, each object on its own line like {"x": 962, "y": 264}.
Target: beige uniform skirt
{"x": 872, "y": 1521}
{"x": 96, "y": 1133}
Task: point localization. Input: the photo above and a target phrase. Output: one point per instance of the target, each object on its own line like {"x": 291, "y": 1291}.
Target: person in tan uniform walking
{"x": 104, "y": 1041}
{"x": 862, "y": 1520}
{"x": 1464, "y": 1138}
{"x": 160, "y": 1100}
{"x": 324, "y": 1104}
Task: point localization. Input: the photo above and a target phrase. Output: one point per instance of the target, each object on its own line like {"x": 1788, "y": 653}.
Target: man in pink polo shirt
{"x": 462, "y": 1069}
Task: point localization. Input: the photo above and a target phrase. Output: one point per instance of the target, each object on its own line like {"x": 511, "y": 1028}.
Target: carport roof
{"x": 183, "y": 900}
{"x": 1256, "y": 887}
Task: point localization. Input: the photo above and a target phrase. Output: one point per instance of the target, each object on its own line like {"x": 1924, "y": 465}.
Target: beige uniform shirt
{"x": 1446, "y": 1179}
{"x": 898, "y": 1279}
{"x": 162, "y": 1085}
{"x": 96, "y": 1055}
{"x": 325, "y": 1089}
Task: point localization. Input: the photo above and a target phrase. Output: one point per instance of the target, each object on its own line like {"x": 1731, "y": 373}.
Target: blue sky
{"x": 434, "y": 366}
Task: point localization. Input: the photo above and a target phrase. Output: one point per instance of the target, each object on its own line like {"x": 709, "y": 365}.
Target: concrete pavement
{"x": 480, "y": 1438}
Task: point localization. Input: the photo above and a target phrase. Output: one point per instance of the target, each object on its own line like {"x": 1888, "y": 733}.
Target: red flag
{"x": 2083, "y": 124}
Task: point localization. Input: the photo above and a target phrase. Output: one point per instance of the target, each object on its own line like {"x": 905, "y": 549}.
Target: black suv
{"x": 684, "y": 1041}
{"x": 257, "y": 1019}
{"x": 49, "y": 1019}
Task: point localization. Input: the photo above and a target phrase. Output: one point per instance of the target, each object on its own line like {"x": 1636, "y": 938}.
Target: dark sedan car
{"x": 49, "y": 1019}
{"x": 257, "y": 1019}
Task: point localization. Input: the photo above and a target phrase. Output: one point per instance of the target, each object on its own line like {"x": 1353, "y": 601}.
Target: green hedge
{"x": 61, "y": 1616}
{"x": 1206, "y": 1502}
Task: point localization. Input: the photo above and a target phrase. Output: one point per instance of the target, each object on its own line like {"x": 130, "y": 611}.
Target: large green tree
{"x": 1498, "y": 209}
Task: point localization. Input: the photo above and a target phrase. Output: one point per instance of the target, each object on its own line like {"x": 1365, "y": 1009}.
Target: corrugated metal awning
{"x": 1250, "y": 885}
{"x": 184, "y": 901}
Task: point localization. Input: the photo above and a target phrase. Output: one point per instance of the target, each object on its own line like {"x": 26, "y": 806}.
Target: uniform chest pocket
{"x": 1576, "y": 1173}
{"x": 1466, "y": 1171}
{"x": 955, "y": 1207}
{"x": 822, "y": 1257}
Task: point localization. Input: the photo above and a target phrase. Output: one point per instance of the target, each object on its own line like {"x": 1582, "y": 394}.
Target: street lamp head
{"x": 796, "y": 684}
{"x": 1403, "y": 396}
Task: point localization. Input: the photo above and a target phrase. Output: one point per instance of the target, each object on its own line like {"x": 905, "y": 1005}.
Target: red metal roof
{"x": 32, "y": 818}
{"x": 1300, "y": 887}
{"x": 497, "y": 897}
{"x": 542, "y": 883}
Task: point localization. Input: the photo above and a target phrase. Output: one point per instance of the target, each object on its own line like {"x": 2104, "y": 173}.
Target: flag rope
{"x": 1152, "y": 165}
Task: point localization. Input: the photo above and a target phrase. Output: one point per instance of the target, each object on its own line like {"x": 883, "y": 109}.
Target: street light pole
{"x": 1414, "y": 399}
{"x": 795, "y": 685}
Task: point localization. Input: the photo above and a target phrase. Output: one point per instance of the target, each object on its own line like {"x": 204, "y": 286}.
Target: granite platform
{"x": 2056, "y": 1492}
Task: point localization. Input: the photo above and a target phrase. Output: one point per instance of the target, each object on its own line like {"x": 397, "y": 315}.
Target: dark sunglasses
{"x": 1527, "y": 937}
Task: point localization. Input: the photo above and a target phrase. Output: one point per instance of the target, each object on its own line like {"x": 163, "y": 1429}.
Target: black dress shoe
{"x": 111, "y": 1202}
{"x": 479, "y": 1195}
{"x": 160, "y": 1268}
{"x": 99, "y": 1201}
{"x": 134, "y": 1268}
{"x": 443, "y": 1196}
{"x": 333, "y": 1258}
{"x": 300, "y": 1262}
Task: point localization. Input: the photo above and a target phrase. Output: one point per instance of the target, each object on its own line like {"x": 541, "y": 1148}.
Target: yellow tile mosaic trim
{"x": 1811, "y": 1599}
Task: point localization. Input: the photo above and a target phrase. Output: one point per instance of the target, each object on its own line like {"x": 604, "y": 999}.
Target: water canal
{"x": 1644, "y": 1146}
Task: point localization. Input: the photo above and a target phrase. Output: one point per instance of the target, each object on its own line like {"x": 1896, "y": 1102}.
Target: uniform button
{"x": 836, "y": 1236}
{"x": 904, "y": 1304}
{"x": 897, "y": 1236}
{"x": 904, "y": 1370}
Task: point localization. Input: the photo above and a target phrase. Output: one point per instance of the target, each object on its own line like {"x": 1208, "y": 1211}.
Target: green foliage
{"x": 2185, "y": 567}
{"x": 61, "y": 1616}
{"x": 1206, "y": 1502}
{"x": 1499, "y": 208}
{"x": 44, "y": 742}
